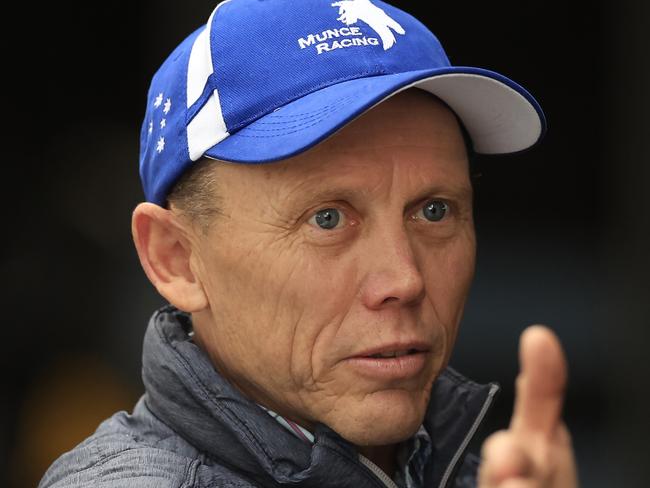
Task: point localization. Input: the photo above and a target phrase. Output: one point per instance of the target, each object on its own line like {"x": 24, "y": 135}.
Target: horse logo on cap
{"x": 351, "y": 11}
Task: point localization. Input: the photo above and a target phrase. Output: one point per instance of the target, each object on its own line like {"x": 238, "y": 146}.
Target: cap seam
{"x": 276, "y": 132}
{"x": 306, "y": 115}
{"x": 298, "y": 122}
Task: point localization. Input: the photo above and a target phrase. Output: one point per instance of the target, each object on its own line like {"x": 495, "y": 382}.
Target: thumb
{"x": 540, "y": 384}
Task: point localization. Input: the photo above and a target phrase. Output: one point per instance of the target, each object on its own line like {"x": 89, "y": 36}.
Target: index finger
{"x": 541, "y": 382}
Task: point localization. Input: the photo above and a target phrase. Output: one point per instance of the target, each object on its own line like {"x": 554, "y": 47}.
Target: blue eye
{"x": 328, "y": 218}
{"x": 434, "y": 210}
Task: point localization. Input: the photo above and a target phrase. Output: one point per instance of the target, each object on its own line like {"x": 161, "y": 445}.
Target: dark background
{"x": 563, "y": 230}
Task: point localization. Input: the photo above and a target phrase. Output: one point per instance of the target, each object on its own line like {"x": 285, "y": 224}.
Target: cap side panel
{"x": 164, "y": 149}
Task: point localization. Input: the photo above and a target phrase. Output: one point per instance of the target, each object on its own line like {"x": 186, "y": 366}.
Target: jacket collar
{"x": 184, "y": 390}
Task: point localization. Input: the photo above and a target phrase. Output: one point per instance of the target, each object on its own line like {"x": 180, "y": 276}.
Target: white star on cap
{"x": 160, "y": 145}
{"x": 168, "y": 106}
{"x": 150, "y": 127}
{"x": 163, "y": 123}
{"x": 158, "y": 100}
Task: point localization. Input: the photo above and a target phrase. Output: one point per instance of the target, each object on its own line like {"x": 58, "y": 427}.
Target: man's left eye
{"x": 433, "y": 211}
{"x": 327, "y": 219}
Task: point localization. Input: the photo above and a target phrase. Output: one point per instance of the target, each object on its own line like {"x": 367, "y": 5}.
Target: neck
{"x": 382, "y": 456}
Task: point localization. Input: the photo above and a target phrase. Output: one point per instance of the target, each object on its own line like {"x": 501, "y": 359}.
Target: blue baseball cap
{"x": 266, "y": 80}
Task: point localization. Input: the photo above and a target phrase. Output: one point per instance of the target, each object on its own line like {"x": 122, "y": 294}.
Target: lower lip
{"x": 397, "y": 368}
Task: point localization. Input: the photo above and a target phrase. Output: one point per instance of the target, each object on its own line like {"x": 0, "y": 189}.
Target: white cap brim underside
{"x": 498, "y": 119}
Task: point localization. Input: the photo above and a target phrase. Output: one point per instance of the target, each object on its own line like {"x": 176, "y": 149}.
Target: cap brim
{"x": 499, "y": 115}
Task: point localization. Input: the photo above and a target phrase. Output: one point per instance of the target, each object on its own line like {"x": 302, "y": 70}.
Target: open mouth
{"x": 388, "y": 364}
{"x": 394, "y": 354}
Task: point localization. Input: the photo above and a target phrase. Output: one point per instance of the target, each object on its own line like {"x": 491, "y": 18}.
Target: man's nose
{"x": 392, "y": 275}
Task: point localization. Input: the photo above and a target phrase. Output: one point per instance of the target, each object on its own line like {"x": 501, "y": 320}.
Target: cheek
{"x": 249, "y": 283}
{"x": 325, "y": 295}
{"x": 275, "y": 305}
{"x": 448, "y": 271}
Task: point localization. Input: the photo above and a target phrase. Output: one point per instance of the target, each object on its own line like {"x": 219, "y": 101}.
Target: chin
{"x": 382, "y": 418}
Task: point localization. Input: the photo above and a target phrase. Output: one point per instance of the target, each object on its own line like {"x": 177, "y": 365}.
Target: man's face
{"x": 320, "y": 264}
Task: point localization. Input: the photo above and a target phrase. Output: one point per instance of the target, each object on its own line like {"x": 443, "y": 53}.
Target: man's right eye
{"x": 327, "y": 219}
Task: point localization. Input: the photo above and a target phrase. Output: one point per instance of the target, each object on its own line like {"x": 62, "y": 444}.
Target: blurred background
{"x": 564, "y": 230}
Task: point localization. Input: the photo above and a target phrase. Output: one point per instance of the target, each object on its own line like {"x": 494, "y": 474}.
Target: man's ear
{"x": 165, "y": 252}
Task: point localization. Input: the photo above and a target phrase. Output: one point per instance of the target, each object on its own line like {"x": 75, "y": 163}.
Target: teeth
{"x": 386, "y": 354}
{"x": 391, "y": 354}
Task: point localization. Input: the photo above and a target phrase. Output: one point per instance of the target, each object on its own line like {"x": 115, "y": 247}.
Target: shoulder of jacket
{"x": 118, "y": 457}
{"x": 117, "y": 460}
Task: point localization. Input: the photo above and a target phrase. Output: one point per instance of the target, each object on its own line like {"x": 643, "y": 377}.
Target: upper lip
{"x": 415, "y": 346}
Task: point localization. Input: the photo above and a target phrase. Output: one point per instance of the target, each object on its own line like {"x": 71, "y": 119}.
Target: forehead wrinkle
{"x": 344, "y": 173}
{"x": 319, "y": 188}
{"x": 322, "y": 172}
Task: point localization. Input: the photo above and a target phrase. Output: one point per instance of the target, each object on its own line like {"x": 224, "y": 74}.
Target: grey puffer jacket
{"x": 193, "y": 429}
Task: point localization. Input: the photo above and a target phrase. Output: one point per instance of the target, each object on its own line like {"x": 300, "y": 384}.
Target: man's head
{"x": 329, "y": 284}
{"x": 361, "y": 246}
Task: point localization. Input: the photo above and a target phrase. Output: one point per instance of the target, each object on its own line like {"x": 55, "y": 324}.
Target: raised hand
{"x": 535, "y": 451}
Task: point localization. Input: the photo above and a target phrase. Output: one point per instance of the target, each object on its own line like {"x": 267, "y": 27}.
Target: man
{"x": 315, "y": 300}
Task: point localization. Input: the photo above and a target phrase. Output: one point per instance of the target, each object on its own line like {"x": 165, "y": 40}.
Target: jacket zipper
{"x": 452, "y": 465}
{"x": 389, "y": 483}
{"x": 377, "y": 471}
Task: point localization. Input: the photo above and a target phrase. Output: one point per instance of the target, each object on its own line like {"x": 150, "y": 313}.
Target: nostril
{"x": 389, "y": 299}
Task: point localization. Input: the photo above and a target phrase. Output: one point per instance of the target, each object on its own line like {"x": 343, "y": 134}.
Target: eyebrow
{"x": 454, "y": 192}
{"x": 304, "y": 198}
